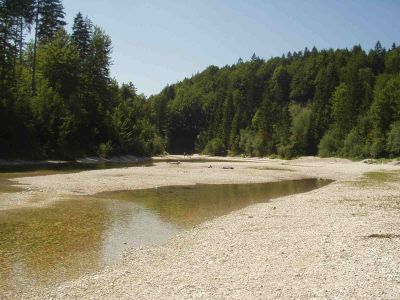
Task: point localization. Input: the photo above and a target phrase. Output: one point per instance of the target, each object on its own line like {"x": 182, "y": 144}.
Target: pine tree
{"x": 81, "y": 34}
{"x": 15, "y": 15}
{"x": 25, "y": 12}
{"x": 51, "y": 18}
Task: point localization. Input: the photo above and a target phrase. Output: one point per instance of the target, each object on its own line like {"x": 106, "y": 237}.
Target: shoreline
{"x": 84, "y": 160}
{"x": 39, "y": 191}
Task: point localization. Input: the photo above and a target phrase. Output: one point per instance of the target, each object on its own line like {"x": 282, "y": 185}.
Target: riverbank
{"x": 341, "y": 241}
{"x": 84, "y": 160}
{"x": 43, "y": 190}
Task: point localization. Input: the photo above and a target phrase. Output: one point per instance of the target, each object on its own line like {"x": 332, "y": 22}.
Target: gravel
{"x": 340, "y": 241}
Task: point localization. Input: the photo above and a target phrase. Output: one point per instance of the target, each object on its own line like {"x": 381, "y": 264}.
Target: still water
{"x": 45, "y": 246}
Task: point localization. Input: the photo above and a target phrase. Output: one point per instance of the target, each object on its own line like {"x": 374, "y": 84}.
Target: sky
{"x": 160, "y": 42}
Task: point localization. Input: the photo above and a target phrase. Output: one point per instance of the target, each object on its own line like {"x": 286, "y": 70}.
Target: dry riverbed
{"x": 340, "y": 241}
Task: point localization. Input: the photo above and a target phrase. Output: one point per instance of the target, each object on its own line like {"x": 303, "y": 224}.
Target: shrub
{"x": 378, "y": 147}
{"x": 246, "y": 141}
{"x": 393, "y": 140}
{"x": 299, "y": 140}
{"x": 215, "y": 147}
{"x": 286, "y": 151}
{"x": 158, "y": 145}
{"x": 354, "y": 145}
{"x": 252, "y": 143}
{"x": 329, "y": 145}
{"x": 105, "y": 150}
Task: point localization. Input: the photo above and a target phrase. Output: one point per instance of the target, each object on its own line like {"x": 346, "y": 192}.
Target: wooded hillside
{"x": 57, "y": 99}
{"x": 329, "y": 102}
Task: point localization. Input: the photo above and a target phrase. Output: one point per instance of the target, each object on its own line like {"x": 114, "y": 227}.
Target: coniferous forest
{"x": 58, "y": 100}
{"x": 57, "y": 97}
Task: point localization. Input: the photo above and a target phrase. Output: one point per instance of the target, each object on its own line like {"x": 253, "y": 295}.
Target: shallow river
{"x": 43, "y": 246}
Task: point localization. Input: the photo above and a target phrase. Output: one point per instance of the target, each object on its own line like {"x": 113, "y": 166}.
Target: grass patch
{"x": 382, "y": 177}
{"x": 374, "y": 179}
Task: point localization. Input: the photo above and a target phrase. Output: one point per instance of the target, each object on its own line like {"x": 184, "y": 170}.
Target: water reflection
{"x": 186, "y": 206}
{"x": 132, "y": 226}
{"x": 44, "y": 246}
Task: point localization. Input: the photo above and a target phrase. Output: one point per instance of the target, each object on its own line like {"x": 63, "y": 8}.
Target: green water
{"x": 46, "y": 246}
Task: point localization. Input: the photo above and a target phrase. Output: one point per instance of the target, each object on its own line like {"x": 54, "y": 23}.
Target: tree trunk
{"x": 34, "y": 49}
{"x": 21, "y": 38}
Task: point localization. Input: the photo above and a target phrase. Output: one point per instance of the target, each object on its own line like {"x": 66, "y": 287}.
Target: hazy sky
{"x": 163, "y": 41}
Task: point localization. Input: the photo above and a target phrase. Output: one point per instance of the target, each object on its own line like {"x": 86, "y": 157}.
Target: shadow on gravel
{"x": 382, "y": 236}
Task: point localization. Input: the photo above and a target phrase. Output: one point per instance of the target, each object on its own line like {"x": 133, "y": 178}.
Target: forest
{"x": 59, "y": 101}
{"x": 327, "y": 103}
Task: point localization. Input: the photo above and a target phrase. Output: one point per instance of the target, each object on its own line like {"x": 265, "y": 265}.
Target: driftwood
{"x": 224, "y": 168}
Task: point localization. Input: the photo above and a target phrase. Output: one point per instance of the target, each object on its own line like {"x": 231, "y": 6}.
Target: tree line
{"x": 57, "y": 99}
{"x": 312, "y": 102}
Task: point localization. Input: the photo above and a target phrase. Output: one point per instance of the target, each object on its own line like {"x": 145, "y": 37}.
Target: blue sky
{"x": 163, "y": 41}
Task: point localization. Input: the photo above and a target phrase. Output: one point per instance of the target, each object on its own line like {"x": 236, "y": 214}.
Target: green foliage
{"x": 300, "y": 132}
{"x": 392, "y": 61}
{"x": 342, "y": 109}
{"x": 378, "y": 147}
{"x": 158, "y": 145}
{"x": 251, "y": 142}
{"x": 58, "y": 63}
{"x": 105, "y": 150}
{"x": 393, "y": 141}
{"x": 81, "y": 31}
{"x": 354, "y": 145}
{"x": 385, "y": 108}
{"x": 330, "y": 102}
{"x": 329, "y": 145}
{"x": 58, "y": 100}
{"x": 51, "y": 18}
{"x": 215, "y": 147}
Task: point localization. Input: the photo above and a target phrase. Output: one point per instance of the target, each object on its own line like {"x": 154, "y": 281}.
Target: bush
{"x": 105, "y": 150}
{"x": 215, "y": 147}
{"x": 286, "y": 151}
{"x": 201, "y": 141}
{"x": 354, "y": 145}
{"x": 252, "y": 143}
{"x": 246, "y": 142}
{"x": 393, "y": 140}
{"x": 378, "y": 148}
{"x": 158, "y": 145}
{"x": 298, "y": 143}
{"x": 329, "y": 145}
